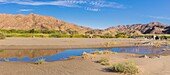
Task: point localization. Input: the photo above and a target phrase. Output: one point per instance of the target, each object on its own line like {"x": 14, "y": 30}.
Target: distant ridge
{"x": 151, "y": 28}
{"x": 38, "y": 22}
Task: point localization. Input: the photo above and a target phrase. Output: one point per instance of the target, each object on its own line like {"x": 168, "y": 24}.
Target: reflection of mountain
{"x": 29, "y": 53}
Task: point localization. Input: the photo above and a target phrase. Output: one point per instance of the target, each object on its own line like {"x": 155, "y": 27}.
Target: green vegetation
{"x": 2, "y": 36}
{"x": 121, "y": 35}
{"x": 104, "y": 61}
{"x": 127, "y": 67}
{"x": 2, "y": 51}
{"x": 39, "y": 61}
{"x": 90, "y": 32}
{"x": 41, "y": 33}
{"x": 68, "y": 34}
{"x": 107, "y": 35}
{"x": 26, "y": 35}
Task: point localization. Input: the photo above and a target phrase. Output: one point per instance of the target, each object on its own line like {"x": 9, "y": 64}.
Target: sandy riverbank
{"x": 77, "y": 66}
{"x": 64, "y": 43}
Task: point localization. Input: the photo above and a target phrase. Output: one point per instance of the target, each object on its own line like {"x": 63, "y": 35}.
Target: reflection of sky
{"x": 77, "y": 52}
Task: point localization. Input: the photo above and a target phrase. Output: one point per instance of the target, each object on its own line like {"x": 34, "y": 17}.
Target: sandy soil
{"x": 77, "y": 66}
{"x": 64, "y": 43}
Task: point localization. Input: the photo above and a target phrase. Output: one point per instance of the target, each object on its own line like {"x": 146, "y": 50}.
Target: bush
{"x": 79, "y": 36}
{"x": 121, "y": 35}
{"x": 87, "y": 56}
{"x": 39, "y": 61}
{"x": 55, "y": 35}
{"x": 127, "y": 67}
{"x": 27, "y": 35}
{"x": 2, "y": 36}
{"x": 107, "y": 35}
{"x": 104, "y": 61}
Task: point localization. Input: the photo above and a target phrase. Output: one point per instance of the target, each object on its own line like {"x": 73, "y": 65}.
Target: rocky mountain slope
{"x": 151, "y": 28}
{"x": 38, "y": 22}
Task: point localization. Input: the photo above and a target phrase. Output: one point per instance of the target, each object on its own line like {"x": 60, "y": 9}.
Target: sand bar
{"x": 63, "y": 43}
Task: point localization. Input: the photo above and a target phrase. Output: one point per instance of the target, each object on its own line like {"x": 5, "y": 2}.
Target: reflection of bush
{"x": 39, "y": 61}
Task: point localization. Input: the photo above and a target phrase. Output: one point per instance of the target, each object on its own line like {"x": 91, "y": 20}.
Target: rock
{"x": 145, "y": 56}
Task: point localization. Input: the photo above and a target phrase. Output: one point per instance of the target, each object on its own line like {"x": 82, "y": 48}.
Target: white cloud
{"x": 106, "y": 4}
{"x": 92, "y": 9}
{"x": 92, "y": 5}
{"x": 67, "y": 3}
{"x": 1, "y": 0}
{"x": 160, "y": 17}
{"x": 25, "y": 10}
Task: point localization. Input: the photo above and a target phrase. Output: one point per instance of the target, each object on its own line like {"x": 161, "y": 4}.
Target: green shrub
{"x": 121, "y": 35}
{"x": 127, "y": 67}
{"x": 27, "y": 35}
{"x": 107, "y": 35}
{"x": 55, "y": 35}
{"x": 104, "y": 61}
{"x": 79, "y": 36}
{"x": 2, "y": 36}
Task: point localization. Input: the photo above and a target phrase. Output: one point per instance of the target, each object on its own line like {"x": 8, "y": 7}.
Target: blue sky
{"x": 99, "y": 14}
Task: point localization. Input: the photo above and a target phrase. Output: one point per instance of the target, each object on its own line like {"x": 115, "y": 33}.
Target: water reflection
{"x": 28, "y": 53}
{"x": 54, "y": 55}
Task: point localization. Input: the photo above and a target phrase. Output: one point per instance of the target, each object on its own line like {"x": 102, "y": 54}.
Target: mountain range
{"x": 38, "y": 22}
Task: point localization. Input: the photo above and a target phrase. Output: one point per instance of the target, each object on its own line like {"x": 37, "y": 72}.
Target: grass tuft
{"x": 127, "y": 67}
{"x": 87, "y": 56}
{"x": 104, "y": 61}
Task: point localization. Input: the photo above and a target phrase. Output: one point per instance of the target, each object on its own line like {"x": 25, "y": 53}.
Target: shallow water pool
{"x": 54, "y": 55}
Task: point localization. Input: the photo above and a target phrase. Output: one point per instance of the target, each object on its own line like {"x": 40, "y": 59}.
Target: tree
{"x": 120, "y": 35}
{"x": 32, "y": 31}
{"x": 90, "y": 32}
{"x": 107, "y": 35}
